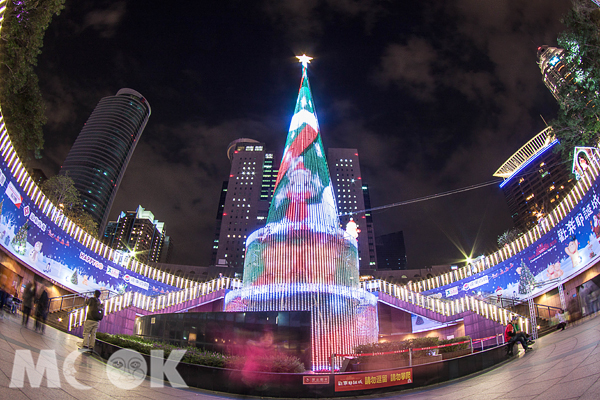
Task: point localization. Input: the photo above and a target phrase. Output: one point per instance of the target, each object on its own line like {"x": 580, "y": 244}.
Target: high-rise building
{"x": 370, "y": 228}
{"x": 535, "y": 180}
{"x": 350, "y": 193}
{"x": 244, "y": 201}
{"x": 166, "y": 253}
{"x": 554, "y": 70}
{"x": 137, "y": 233}
{"x": 98, "y": 159}
{"x": 391, "y": 252}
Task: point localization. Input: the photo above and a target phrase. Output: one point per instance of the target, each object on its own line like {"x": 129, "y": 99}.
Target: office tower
{"x": 350, "y": 193}
{"x": 166, "y": 253}
{"x": 244, "y": 201}
{"x": 535, "y": 180}
{"x": 370, "y": 228}
{"x": 136, "y": 233}
{"x": 391, "y": 252}
{"x": 220, "y": 210}
{"x": 98, "y": 159}
{"x": 554, "y": 71}
{"x": 301, "y": 260}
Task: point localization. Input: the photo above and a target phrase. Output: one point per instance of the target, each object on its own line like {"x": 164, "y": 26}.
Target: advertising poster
{"x": 372, "y": 380}
{"x": 422, "y": 324}
{"x": 571, "y": 247}
{"x": 33, "y": 238}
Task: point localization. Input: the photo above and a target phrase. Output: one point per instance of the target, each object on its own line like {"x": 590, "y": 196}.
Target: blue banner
{"x": 569, "y": 248}
{"x": 33, "y": 238}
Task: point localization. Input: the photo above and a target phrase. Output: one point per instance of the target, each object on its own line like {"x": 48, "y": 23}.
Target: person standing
{"x": 28, "y": 300}
{"x": 3, "y": 297}
{"x": 41, "y": 311}
{"x": 95, "y": 314}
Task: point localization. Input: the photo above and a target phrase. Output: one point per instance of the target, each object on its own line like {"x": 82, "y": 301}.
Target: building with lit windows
{"x": 139, "y": 234}
{"x": 351, "y": 195}
{"x": 98, "y": 159}
{"x": 391, "y": 251}
{"x": 554, "y": 71}
{"x": 244, "y": 201}
{"x": 535, "y": 180}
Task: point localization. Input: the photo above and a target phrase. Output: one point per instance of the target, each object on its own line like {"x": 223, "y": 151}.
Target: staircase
{"x": 60, "y": 307}
{"x": 59, "y": 320}
{"x": 439, "y": 309}
{"x": 466, "y": 308}
{"x": 179, "y": 301}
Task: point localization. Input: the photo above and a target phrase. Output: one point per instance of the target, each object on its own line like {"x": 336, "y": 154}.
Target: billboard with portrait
{"x": 569, "y": 248}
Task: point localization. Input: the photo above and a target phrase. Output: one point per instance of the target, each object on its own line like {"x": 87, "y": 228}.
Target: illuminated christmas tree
{"x": 526, "y": 280}
{"x": 74, "y": 279}
{"x": 19, "y": 242}
{"x": 302, "y": 260}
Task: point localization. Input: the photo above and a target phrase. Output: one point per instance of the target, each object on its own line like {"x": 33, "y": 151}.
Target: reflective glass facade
{"x": 99, "y": 157}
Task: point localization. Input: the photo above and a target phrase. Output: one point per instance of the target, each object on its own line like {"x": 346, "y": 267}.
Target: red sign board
{"x": 315, "y": 380}
{"x": 372, "y": 380}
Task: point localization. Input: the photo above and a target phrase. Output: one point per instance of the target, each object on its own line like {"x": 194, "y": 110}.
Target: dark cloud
{"x": 106, "y": 21}
{"x": 434, "y": 95}
{"x": 410, "y": 65}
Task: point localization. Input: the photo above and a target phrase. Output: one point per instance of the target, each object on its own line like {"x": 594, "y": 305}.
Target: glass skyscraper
{"x": 98, "y": 159}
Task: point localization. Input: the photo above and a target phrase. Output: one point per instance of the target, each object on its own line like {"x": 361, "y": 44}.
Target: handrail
{"x": 69, "y": 301}
{"x": 544, "y": 307}
{"x": 411, "y": 350}
{"x": 156, "y": 302}
{"x": 504, "y": 302}
{"x": 446, "y": 307}
{"x": 547, "y": 306}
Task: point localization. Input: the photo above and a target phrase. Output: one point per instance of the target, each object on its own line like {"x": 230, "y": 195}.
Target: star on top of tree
{"x": 304, "y": 59}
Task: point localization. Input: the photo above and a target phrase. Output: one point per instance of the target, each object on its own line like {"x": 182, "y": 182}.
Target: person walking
{"x": 562, "y": 322}
{"x": 28, "y": 300}
{"x": 95, "y": 314}
{"x": 41, "y": 310}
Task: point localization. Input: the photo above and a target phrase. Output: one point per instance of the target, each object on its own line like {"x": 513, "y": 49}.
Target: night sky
{"x": 435, "y": 95}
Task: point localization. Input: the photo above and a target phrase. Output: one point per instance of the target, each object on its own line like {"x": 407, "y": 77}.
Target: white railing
{"x": 447, "y": 308}
{"x": 155, "y": 303}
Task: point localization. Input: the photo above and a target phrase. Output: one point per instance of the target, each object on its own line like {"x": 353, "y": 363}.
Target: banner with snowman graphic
{"x": 29, "y": 235}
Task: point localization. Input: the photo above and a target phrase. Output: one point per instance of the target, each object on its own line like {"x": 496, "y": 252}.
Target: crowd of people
{"x": 35, "y": 298}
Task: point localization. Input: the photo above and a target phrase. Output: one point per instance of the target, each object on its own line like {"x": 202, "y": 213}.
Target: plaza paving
{"x": 564, "y": 365}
